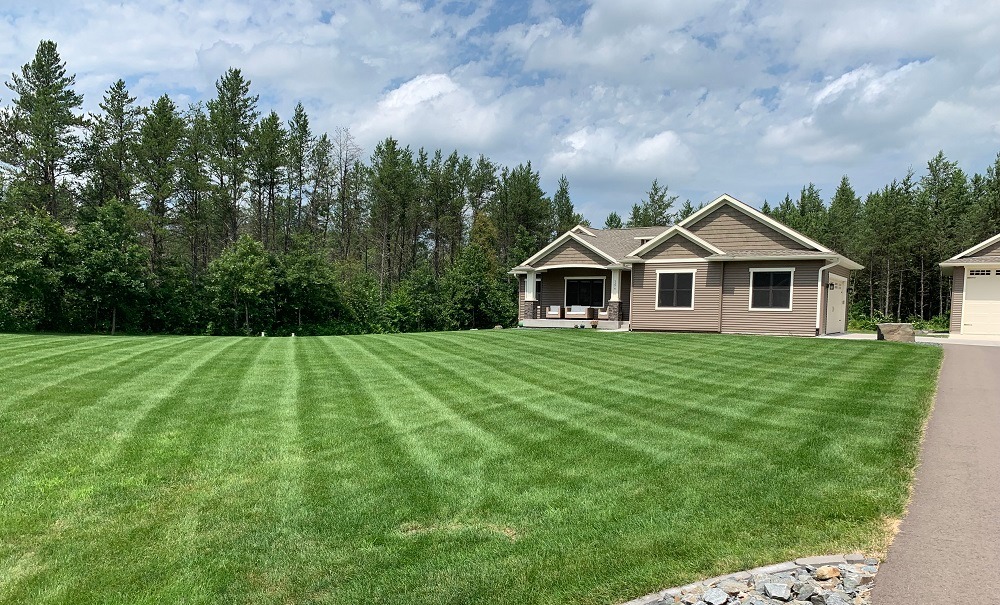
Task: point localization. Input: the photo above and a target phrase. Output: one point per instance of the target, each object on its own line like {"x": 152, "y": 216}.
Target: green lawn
{"x": 480, "y": 467}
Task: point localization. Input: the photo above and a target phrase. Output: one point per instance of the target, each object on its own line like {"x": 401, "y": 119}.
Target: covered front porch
{"x": 574, "y": 296}
{"x": 572, "y": 323}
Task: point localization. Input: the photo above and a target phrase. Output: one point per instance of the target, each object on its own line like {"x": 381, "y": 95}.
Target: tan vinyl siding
{"x": 957, "y": 291}
{"x": 676, "y": 246}
{"x": 703, "y": 318}
{"x": 737, "y": 317}
{"x": 571, "y": 252}
{"x": 991, "y": 250}
{"x": 731, "y": 229}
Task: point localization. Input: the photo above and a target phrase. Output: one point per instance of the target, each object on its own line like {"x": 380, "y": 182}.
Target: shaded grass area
{"x": 478, "y": 467}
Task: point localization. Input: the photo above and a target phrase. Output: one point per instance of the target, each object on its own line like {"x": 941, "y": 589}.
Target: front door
{"x": 836, "y": 305}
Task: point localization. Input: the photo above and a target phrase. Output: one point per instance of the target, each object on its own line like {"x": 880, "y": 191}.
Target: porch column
{"x": 616, "y": 285}
{"x": 529, "y": 287}
{"x": 615, "y": 304}
{"x": 530, "y": 295}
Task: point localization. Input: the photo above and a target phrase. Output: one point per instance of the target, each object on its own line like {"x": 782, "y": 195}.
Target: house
{"x": 726, "y": 268}
{"x": 975, "y": 289}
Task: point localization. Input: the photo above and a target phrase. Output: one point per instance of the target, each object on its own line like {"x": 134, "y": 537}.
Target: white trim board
{"x": 656, "y": 293}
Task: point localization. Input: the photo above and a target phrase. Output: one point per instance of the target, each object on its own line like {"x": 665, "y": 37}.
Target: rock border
{"x": 845, "y": 579}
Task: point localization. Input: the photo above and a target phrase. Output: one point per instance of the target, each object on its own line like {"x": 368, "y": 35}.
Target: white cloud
{"x": 749, "y": 98}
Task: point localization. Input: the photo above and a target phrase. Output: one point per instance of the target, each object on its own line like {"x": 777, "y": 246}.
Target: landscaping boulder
{"x": 896, "y": 332}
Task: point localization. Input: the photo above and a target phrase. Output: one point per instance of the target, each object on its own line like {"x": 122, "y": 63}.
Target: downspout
{"x": 722, "y": 292}
{"x": 819, "y": 294}
{"x": 631, "y": 294}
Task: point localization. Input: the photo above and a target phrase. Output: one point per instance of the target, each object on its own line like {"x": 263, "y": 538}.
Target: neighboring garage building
{"x": 975, "y": 289}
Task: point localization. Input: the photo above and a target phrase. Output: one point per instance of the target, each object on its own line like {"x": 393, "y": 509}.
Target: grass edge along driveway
{"x": 479, "y": 467}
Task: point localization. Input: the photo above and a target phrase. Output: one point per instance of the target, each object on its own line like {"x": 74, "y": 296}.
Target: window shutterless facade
{"x": 675, "y": 289}
{"x": 585, "y": 291}
{"x": 771, "y": 289}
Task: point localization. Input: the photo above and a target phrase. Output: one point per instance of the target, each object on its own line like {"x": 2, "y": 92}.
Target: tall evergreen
{"x": 38, "y": 133}
{"x": 157, "y": 166}
{"x": 564, "y": 216}
{"x": 654, "y": 211}
{"x": 232, "y": 115}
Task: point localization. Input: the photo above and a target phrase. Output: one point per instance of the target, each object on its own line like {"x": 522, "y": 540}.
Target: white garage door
{"x": 981, "y": 309}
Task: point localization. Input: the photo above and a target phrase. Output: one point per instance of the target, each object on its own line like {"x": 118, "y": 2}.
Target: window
{"x": 675, "y": 289}
{"x": 771, "y": 289}
{"x": 975, "y": 272}
{"x": 586, "y": 292}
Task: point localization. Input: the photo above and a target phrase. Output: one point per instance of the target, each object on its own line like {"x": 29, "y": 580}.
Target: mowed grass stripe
{"x": 485, "y": 467}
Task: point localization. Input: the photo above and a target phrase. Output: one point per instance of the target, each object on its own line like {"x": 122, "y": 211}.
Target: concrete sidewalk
{"x": 954, "y": 339}
{"x": 948, "y": 547}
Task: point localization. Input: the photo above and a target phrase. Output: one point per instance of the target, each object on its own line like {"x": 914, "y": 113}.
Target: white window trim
{"x": 791, "y": 289}
{"x": 604, "y": 288}
{"x": 656, "y": 292}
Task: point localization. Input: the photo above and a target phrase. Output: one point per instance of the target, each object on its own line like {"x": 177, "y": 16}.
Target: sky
{"x": 752, "y": 98}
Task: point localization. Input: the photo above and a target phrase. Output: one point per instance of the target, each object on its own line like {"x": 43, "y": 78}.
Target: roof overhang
{"x": 837, "y": 259}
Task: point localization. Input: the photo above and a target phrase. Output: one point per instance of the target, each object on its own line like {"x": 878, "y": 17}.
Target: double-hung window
{"x": 771, "y": 290}
{"x": 675, "y": 289}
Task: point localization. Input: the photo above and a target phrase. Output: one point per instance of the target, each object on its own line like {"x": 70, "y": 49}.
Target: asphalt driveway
{"x": 948, "y": 547}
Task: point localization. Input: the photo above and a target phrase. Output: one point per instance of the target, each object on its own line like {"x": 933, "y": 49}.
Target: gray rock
{"x": 715, "y": 596}
{"x": 857, "y": 557}
{"x": 806, "y": 591}
{"x": 896, "y": 332}
{"x": 777, "y": 590}
{"x": 851, "y": 582}
{"x": 835, "y": 599}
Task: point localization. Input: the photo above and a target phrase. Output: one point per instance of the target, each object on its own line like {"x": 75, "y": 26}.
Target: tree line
{"x": 900, "y": 233}
{"x": 218, "y": 218}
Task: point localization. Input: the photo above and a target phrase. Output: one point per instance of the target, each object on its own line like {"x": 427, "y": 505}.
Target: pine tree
{"x": 157, "y": 168}
{"x": 654, "y": 211}
{"x": 844, "y": 219}
{"x": 232, "y": 115}
{"x": 614, "y": 221}
{"x": 687, "y": 209}
{"x": 37, "y": 134}
{"x": 564, "y": 216}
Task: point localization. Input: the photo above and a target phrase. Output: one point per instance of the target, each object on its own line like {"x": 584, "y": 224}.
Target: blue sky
{"x": 750, "y": 98}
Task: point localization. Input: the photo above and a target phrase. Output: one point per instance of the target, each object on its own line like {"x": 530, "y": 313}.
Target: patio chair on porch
{"x": 553, "y": 312}
{"x": 602, "y": 314}
{"x": 579, "y": 312}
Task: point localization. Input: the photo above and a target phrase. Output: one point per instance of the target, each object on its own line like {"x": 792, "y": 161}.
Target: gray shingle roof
{"x": 976, "y": 260}
{"x": 617, "y": 243}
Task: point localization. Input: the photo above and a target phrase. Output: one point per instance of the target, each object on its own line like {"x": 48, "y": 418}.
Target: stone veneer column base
{"x": 614, "y": 311}
{"x": 528, "y": 310}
